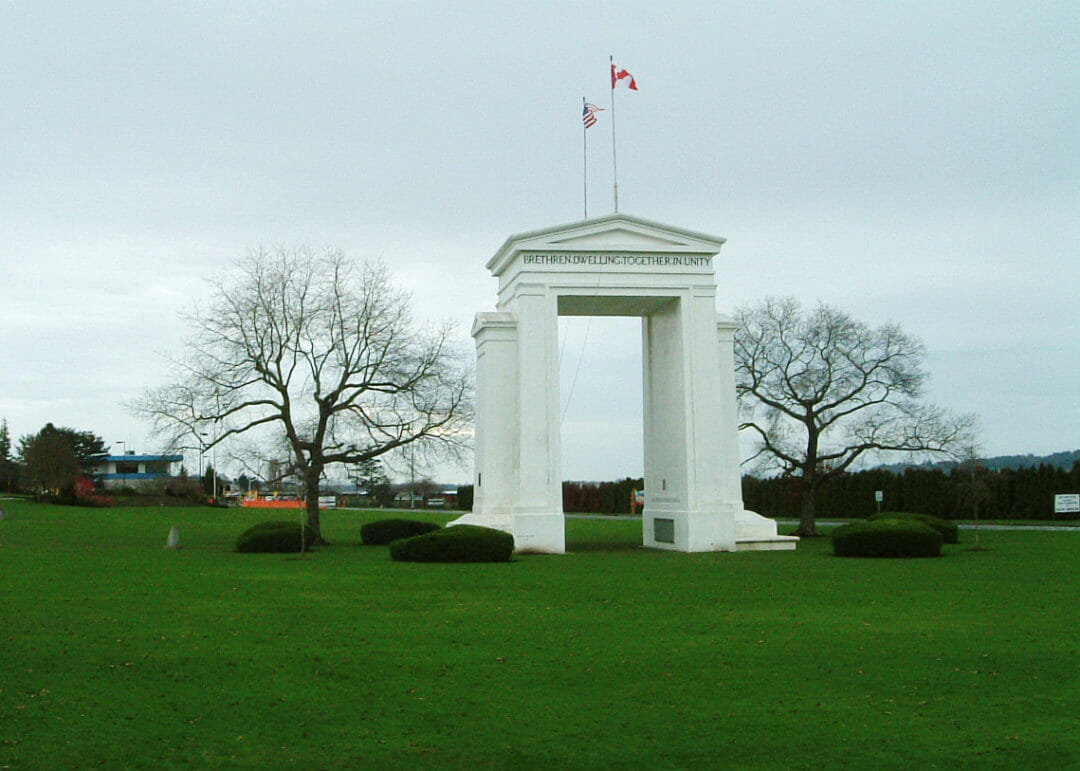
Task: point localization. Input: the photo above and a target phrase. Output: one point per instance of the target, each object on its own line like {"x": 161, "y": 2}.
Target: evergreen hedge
{"x": 1011, "y": 493}
{"x": 886, "y": 538}
{"x": 384, "y": 531}
{"x": 460, "y": 543}
{"x": 276, "y": 537}
{"x": 950, "y": 531}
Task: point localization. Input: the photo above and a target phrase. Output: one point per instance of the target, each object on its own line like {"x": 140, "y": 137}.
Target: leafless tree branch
{"x": 323, "y": 353}
{"x": 821, "y": 390}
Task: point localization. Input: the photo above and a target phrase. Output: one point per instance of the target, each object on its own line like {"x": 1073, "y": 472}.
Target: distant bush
{"x": 886, "y": 538}
{"x": 85, "y": 494}
{"x": 460, "y": 543}
{"x": 182, "y": 487}
{"x": 277, "y": 537}
{"x": 386, "y": 530}
{"x": 950, "y": 532}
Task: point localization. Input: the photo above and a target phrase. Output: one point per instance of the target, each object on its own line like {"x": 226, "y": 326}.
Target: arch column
{"x": 687, "y": 505}
{"x": 537, "y": 513}
{"x": 517, "y": 483}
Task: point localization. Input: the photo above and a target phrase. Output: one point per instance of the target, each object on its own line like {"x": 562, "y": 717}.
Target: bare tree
{"x": 975, "y": 489}
{"x": 320, "y": 354}
{"x": 821, "y": 390}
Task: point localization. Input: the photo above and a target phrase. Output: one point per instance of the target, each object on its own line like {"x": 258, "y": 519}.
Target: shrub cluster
{"x": 460, "y": 543}
{"x": 886, "y": 538}
{"x": 85, "y": 494}
{"x": 950, "y": 531}
{"x": 277, "y": 537}
{"x": 384, "y": 531}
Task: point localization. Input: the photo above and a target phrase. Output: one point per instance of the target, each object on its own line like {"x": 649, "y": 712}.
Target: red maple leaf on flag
{"x": 622, "y": 74}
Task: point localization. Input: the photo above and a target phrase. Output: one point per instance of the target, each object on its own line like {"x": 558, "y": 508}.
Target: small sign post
{"x": 879, "y": 496}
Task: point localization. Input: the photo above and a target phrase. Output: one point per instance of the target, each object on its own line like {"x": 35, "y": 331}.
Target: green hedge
{"x": 950, "y": 532}
{"x": 460, "y": 543}
{"x": 384, "y": 531}
{"x": 277, "y": 537}
{"x": 886, "y": 538}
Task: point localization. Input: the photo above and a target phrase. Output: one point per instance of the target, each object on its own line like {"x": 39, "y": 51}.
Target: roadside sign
{"x": 879, "y": 496}
{"x": 1067, "y": 504}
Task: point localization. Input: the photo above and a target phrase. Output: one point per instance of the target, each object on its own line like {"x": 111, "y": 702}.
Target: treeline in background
{"x": 1020, "y": 493}
{"x": 1009, "y": 493}
{"x": 582, "y": 497}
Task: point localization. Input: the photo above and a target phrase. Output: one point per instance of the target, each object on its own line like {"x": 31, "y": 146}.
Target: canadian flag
{"x": 617, "y": 75}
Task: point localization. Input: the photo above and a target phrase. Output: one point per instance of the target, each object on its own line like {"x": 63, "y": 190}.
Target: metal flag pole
{"x": 584, "y": 158}
{"x": 614, "y": 158}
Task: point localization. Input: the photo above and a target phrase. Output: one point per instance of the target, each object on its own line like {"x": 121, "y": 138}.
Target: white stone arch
{"x": 612, "y": 266}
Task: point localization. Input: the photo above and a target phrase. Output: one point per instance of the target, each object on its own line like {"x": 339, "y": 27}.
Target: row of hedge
{"x": 884, "y": 535}
{"x": 1024, "y": 493}
{"x": 409, "y": 540}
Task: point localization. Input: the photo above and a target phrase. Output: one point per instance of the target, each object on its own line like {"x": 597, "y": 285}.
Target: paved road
{"x": 1043, "y": 528}
{"x": 833, "y": 522}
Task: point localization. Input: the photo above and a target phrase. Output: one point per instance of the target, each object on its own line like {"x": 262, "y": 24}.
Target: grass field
{"x": 117, "y": 653}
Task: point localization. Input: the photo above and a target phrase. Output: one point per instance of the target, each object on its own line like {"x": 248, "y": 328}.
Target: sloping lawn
{"x": 117, "y": 653}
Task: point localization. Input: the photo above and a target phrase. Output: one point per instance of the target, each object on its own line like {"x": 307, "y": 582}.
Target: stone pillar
{"x": 712, "y": 504}
{"x": 495, "y": 480}
{"x": 537, "y": 513}
{"x": 728, "y": 420}
{"x": 664, "y": 524}
{"x": 686, "y": 505}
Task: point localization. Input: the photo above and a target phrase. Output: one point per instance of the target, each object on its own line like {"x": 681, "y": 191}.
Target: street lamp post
{"x": 123, "y": 455}
{"x": 202, "y": 446}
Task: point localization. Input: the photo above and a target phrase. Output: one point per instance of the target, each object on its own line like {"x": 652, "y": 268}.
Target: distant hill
{"x": 1063, "y": 460}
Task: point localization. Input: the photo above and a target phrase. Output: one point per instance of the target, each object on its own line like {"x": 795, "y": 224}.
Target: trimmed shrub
{"x": 950, "y": 532}
{"x": 886, "y": 538}
{"x": 386, "y": 530}
{"x": 460, "y": 543}
{"x": 277, "y": 537}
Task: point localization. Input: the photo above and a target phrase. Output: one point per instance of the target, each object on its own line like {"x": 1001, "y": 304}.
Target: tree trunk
{"x": 311, "y": 487}
{"x": 807, "y": 524}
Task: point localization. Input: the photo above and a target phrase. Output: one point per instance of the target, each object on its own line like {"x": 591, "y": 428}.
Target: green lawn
{"x": 117, "y": 653}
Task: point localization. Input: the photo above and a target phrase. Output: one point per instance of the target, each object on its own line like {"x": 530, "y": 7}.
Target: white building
{"x": 131, "y": 470}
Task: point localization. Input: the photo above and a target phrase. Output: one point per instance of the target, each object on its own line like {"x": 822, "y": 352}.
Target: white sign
{"x": 639, "y": 260}
{"x": 1067, "y": 504}
{"x": 879, "y": 496}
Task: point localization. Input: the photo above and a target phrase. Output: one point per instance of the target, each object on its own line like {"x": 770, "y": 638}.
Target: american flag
{"x": 588, "y": 114}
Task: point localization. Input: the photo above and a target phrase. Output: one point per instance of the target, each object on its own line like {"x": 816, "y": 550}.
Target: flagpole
{"x": 614, "y": 158}
{"x": 584, "y": 160}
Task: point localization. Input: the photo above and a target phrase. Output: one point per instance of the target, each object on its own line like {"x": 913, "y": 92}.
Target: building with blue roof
{"x": 131, "y": 470}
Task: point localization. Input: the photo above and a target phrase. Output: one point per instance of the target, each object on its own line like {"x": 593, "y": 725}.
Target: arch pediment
{"x": 616, "y": 233}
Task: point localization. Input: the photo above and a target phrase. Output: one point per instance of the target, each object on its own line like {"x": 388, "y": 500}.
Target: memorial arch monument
{"x": 617, "y": 265}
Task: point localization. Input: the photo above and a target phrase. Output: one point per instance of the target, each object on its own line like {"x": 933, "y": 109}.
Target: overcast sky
{"x": 908, "y": 162}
